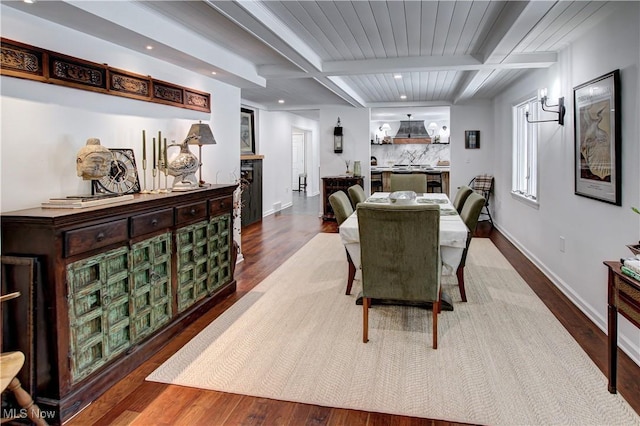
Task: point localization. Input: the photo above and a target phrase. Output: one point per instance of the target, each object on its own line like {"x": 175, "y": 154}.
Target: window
{"x": 525, "y": 151}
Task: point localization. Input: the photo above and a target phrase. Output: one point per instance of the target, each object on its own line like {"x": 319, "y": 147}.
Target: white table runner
{"x": 453, "y": 231}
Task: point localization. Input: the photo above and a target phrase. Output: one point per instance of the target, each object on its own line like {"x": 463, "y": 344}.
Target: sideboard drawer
{"x": 150, "y": 222}
{"x": 94, "y": 237}
{"x": 191, "y": 212}
{"x": 218, "y": 206}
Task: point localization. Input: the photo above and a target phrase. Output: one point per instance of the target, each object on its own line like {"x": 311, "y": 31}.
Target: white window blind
{"x": 525, "y": 150}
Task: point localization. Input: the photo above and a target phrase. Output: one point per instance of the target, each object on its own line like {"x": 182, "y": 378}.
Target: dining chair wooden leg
{"x": 352, "y": 273}
{"x": 435, "y": 309}
{"x": 365, "y": 319}
{"x": 460, "y": 275}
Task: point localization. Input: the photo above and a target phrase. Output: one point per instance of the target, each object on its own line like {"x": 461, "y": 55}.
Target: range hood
{"x": 412, "y": 129}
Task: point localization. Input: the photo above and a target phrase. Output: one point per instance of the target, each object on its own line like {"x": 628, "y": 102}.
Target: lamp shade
{"x": 204, "y": 133}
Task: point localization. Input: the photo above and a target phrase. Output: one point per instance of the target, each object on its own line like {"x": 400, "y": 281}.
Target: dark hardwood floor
{"x": 265, "y": 246}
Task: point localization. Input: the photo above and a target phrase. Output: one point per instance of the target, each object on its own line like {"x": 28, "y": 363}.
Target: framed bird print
{"x": 598, "y": 138}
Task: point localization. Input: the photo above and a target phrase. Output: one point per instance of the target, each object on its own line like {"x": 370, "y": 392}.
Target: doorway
{"x": 299, "y": 161}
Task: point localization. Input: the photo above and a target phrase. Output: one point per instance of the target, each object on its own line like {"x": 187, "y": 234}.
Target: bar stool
{"x": 302, "y": 182}
{"x": 376, "y": 182}
{"x": 434, "y": 181}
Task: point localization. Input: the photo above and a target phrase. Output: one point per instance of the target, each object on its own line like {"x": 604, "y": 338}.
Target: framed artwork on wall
{"x": 247, "y": 134}
{"x": 597, "y": 138}
{"x": 472, "y": 139}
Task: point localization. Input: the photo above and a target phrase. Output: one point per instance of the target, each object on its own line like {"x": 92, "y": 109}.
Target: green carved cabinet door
{"x": 192, "y": 254}
{"x": 151, "y": 285}
{"x": 219, "y": 252}
{"x": 99, "y": 316}
{"x": 204, "y": 256}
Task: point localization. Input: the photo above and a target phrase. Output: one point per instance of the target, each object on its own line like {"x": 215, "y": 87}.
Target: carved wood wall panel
{"x": 33, "y": 63}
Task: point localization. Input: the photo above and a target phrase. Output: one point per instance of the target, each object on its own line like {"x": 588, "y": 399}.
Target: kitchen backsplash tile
{"x": 430, "y": 154}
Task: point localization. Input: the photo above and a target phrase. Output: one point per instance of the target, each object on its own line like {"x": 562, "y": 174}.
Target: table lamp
{"x": 203, "y": 136}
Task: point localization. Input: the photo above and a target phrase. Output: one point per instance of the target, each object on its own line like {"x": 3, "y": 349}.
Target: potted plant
{"x": 635, "y": 248}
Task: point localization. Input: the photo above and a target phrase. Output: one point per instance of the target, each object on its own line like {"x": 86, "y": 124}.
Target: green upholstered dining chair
{"x": 469, "y": 215}
{"x": 356, "y": 195}
{"x": 400, "y": 256}
{"x": 461, "y": 196}
{"x": 341, "y": 206}
{"x": 416, "y": 182}
{"x": 342, "y": 209}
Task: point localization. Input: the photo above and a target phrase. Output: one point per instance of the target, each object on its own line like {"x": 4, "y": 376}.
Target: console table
{"x": 331, "y": 184}
{"x": 623, "y": 297}
{"x": 117, "y": 282}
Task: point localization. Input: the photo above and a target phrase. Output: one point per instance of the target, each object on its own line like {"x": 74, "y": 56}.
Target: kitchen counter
{"x": 387, "y": 171}
{"x": 417, "y": 169}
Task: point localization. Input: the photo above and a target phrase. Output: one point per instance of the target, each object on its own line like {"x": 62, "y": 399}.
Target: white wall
{"x": 467, "y": 163}
{"x": 44, "y": 125}
{"x": 273, "y": 140}
{"x": 356, "y": 142}
{"x": 594, "y": 231}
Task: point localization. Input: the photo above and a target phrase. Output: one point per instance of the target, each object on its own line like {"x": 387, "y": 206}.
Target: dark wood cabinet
{"x": 331, "y": 184}
{"x": 117, "y": 283}
{"x": 251, "y": 173}
{"x": 623, "y": 298}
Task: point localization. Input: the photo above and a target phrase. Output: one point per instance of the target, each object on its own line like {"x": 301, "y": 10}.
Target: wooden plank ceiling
{"x": 363, "y": 53}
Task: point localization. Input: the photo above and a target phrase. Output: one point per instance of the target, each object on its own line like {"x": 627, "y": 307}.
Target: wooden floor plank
{"x": 261, "y": 411}
{"x": 341, "y": 417}
{"x": 265, "y": 246}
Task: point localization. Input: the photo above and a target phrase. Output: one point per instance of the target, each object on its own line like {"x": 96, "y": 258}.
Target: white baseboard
{"x": 627, "y": 346}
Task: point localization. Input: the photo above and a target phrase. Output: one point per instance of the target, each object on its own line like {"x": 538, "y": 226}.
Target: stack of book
{"x": 631, "y": 267}
{"x": 82, "y": 201}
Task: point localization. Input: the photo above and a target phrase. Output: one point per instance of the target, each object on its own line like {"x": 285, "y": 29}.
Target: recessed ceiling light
{"x": 214, "y": 73}
{"x": 280, "y": 101}
{"x": 149, "y": 47}
{"x": 403, "y": 96}
{"x": 29, "y": 1}
{"x": 397, "y": 76}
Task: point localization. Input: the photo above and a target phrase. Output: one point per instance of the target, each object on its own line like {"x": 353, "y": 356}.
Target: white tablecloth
{"x": 453, "y": 234}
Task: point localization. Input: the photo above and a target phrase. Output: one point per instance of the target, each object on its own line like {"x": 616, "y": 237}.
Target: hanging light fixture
{"x": 337, "y": 138}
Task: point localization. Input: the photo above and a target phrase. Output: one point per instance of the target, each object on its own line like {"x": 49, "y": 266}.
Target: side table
{"x": 623, "y": 298}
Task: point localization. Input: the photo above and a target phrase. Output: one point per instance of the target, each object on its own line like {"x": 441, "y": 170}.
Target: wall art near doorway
{"x": 247, "y": 133}
{"x": 597, "y": 138}
{"x": 472, "y": 139}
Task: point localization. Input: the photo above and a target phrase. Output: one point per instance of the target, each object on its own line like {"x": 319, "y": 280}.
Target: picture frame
{"x": 247, "y": 132}
{"x": 597, "y": 138}
{"x": 472, "y": 139}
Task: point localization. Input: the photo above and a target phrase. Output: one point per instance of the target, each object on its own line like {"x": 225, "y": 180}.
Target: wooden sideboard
{"x": 331, "y": 184}
{"x": 117, "y": 282}
{"x": 624, "y": 298}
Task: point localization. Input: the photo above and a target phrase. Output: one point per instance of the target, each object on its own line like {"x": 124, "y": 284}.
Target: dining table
{"x": 453, "y": 234}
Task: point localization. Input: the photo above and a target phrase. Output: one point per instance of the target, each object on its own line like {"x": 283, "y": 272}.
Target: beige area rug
{"x": 502, "y": 357}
